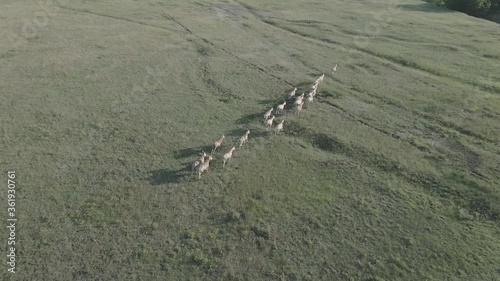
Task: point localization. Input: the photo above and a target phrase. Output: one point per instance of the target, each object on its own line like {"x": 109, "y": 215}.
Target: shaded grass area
{"x": 490, "y": 13}
{"x": 466, "y": 193}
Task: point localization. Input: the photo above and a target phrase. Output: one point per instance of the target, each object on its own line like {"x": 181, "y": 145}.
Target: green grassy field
{"x": 393, "y": 173}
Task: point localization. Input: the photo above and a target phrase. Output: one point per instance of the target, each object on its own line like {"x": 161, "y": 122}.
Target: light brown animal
{"x": 279, "y": 127}
{"x": 199, "y": 161}
{"x": 227, "y": 156}
{"x": 218, "y": 143}
{"x": 280, "y": 108}
{"x": 269, "y": 123}
{"x": 203, "y": 166}
{"x": 244, "y": 138}
{"x": 298, "y": 108}
{"x": 268, "y": 114}
{"x": 292, "y": 93}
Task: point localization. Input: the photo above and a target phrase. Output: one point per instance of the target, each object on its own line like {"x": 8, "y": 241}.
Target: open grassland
{"x": 393, "y": 173}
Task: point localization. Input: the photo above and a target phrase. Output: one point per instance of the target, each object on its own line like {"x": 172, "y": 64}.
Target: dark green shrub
{"x": 495, "y": 5}
{"x": 436, "y": 2}
{"x": 471, "y": 7}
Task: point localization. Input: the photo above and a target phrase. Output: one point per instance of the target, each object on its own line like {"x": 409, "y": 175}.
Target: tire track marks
{"x": 252, "y": 65}
{"x": 470, "y": 198}
{"x": 431, "y": 120}
{"x": 114, "y": 17}
{"x": 386, "y": 58}
{"x": 339, "y": 29}
{"x": 443, "y": 123}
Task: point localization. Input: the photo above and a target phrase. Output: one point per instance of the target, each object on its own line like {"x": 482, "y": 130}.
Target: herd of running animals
{"x": 202, "y": 164}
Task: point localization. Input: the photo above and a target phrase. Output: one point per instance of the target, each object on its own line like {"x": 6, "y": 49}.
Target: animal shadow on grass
{"x": 326, "y": 94}
{"x": 235, "y": 133}
{"x": 259, "y": 134}
{"x": 304, "y": 86}
{"x": 164, "y": 176}
{"x": 250, "y": 117}
{"x": 269, "y": 102}
{"x": 191, "y": 152}
{"x": 275, "y": 101}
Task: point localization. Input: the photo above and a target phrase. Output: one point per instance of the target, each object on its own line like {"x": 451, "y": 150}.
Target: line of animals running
{"x": 203, "y": 163}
